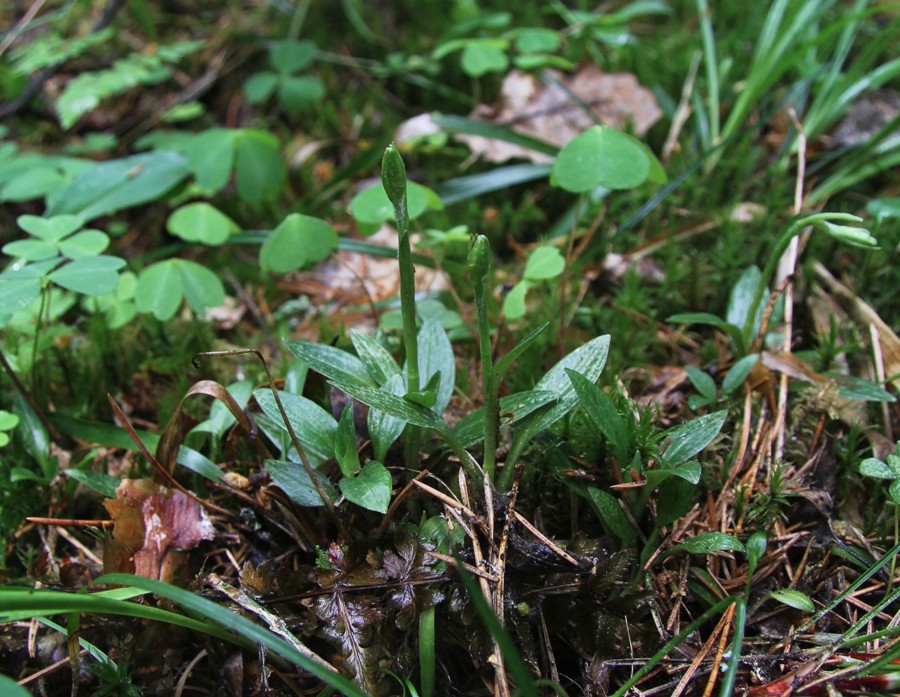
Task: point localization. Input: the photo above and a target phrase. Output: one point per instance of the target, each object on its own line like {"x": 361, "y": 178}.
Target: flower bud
{"x": 393, "y": 176}
{"x": 480, "y": 257}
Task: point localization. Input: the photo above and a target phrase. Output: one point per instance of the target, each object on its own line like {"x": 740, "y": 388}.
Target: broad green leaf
{"x": 159, "y": 290}
{"x": 513, "y": 408}
{"x": 298, "y": 93}
{"x": 8, "y": 420}
{"x": 260, "y": 87}
{"x": 436, "y": 356}
{"x": 536, "y": 40}
{"x": 331, "y": 362}
{"x": 395, "y": 406}
{"x": 345, "y": 451}
{"x": 86, "y": 243}
{"x": 604, "y": 415}
{"x": 793, "y": 598}
{"x": 735, "y": 377}
{"x": 588, "y": 360}
{"x": 884, "y": 208}
{"x": 544, "y": 263}
{"x": 11, "y": 688}
{"x": 509, "y": 358}
{"x": 89, "y": 275}
{"x": 384, "y": 429}
{"x": 210, "y": 156}
{"x": 377, "y": 359}
{"x": 687, "y": 440}
{"x": 261, "y": 171}
{"x": 427, "y": 396}
{"x": 315, "y": 428}
{"x": 50, "y": 229}
{"x": 482, "y": 56}
{"x": 293, "y": 480}
{"x": 31, "y": 249}
{"x": 300, "y": 240}
{"x": 20, "y": 286}
{"x": 689, "y": 472}
{"x": 201, "y": 287}
{"x": 873, "y": 467}
{"x": 34, "y": 436}
{"x": 601, "y": 156}
{"x": 514, "y": 302}
{"x": 116, "y": 185}
{"x": 370, "y": 489}
{"x": 201, "y": 222}
{"x": 372, "y": 205}
{"x": 612, "y": 515}
{"x": 709, "y": 542}
{"x": 291, "y": 56}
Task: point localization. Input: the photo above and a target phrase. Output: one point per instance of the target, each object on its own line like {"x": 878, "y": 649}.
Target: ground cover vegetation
{"x": 449, "y": 348}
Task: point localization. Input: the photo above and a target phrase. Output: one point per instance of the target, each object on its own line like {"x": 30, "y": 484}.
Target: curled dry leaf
{"x": 153, "y": 528}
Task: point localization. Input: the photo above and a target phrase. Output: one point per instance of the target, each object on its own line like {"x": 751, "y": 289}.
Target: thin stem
{"x": 479, "y": 263}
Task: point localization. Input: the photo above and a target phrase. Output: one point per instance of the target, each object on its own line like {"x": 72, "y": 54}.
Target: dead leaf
{"x": 152, "y": 526}
{"x": 555, "y": 110}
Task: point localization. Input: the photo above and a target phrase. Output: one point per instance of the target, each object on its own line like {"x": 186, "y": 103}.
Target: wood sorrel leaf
{"x": 601, "y": 156}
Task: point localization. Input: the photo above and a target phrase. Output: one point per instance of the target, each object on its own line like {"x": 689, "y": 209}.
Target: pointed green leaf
{"x": 604, "y": 415}
{"x": 436, "y": 356}
{"x": 345, "y": 451}
{"x": 315, "y": 428}
{"x": 793, "y": 598}
{"x": 331, "y": 362}
{"x": 687, "y": 440}
{"x": 293, "y": 480}
{"x": 384, "y": 429}
{"x": 507, "y": 361}
{"x": 612, "y": 515}
{"x": 709, "y": 542}
{"x": 377, "y": 359}
{"x": 513, "y": 408}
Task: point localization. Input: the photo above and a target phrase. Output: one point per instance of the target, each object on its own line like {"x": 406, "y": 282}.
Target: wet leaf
{"x": 687, "y": 440}
{"x": 607, "y": 507}
{"x": 331, "y": 362}
{"x": 709, "y": 542}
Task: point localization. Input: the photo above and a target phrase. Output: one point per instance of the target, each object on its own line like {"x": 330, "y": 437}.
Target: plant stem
{"x": 393, "y": 178}
{"x": 792, "y": 231}
{"x": 479, "y": 263}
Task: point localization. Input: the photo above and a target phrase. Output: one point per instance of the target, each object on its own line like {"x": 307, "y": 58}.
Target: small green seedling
{"x": 295, "y": 92}
{"x": 708, "y": 395}
{"x": 59, "y": 252}
{"x": 746, "y": 305}
{"x": 889, "y": 470}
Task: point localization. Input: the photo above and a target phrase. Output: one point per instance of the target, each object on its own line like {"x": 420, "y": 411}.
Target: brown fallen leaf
{"x": 555, "y": 109}
{"x": 154, "y": 528}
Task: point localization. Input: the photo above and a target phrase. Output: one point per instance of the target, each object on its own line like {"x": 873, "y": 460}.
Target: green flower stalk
{"x": 393, "y": 178}
{"x": 854, "y": 236}
{"x": 479, "y": 265}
